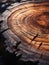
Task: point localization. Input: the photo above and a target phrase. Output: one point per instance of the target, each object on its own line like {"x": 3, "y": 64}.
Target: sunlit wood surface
{"x": 29, "y": 20}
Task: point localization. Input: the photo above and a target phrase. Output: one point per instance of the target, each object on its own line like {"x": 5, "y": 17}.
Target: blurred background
{"x": 22, "y": 0}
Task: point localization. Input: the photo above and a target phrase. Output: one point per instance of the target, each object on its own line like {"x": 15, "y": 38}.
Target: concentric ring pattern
{"x": 30, "y": 22}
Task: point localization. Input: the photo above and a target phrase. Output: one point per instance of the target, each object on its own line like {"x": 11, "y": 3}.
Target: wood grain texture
{"x": 28, "y": 23}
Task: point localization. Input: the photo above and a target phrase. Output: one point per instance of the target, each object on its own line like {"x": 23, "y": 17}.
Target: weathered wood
{"x": 28, "y": 23}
